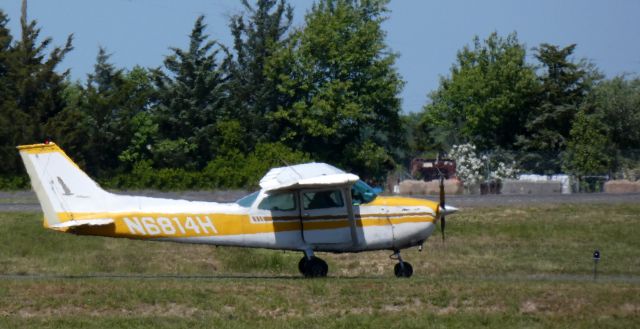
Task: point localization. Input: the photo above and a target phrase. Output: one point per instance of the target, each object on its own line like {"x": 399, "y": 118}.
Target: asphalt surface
{"x": 473, "y": 201}
{"x": 27, "y": 201}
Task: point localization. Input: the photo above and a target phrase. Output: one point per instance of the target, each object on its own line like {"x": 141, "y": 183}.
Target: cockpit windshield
{"x": 247, "y": 200}
{"x": 361, "y": 193}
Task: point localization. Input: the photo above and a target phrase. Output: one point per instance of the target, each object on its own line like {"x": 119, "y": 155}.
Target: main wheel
{"x": 302, "y": 265}
{"x": 313, "y": 268}
{"x": 403, "y": 270}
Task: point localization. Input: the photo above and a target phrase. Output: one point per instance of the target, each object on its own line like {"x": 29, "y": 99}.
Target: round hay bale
{"x": 621, "y": 186}
{"x": 406, "y": 187}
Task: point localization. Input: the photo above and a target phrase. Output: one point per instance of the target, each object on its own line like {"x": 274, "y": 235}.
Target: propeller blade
{"x": 442, "y": 224}
{"x": 441, "y": 191}
{"x": 442, "y": 207}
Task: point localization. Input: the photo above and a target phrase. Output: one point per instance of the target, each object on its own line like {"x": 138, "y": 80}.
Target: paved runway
{"x": 26, "y": 200}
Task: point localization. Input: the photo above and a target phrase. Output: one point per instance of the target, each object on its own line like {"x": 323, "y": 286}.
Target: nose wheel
{"x": 313, "y": 267}
{"x": 402, "y": 269}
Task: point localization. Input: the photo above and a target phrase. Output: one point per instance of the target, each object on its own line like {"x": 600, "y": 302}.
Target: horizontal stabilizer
{"x": 84, "y": 222}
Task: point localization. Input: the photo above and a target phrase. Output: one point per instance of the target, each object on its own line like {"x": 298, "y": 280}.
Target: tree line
{"x": 215, "y": 115}
{"x": 555, "y": 115}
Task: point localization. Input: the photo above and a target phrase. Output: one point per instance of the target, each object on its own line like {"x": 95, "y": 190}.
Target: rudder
{"x": 61, "y": 186}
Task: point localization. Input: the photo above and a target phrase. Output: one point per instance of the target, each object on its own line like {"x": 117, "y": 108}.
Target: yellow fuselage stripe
{"x": 159, "y": 225}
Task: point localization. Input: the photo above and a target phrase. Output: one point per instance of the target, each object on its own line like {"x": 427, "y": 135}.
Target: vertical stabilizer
{"x": 61, "y": 186}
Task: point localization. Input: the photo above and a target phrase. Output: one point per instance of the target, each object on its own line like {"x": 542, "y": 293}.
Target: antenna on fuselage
{"x": 290, "y": 167}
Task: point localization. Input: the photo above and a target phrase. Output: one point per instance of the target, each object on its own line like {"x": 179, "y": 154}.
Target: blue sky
{"x": 426, "y": 34}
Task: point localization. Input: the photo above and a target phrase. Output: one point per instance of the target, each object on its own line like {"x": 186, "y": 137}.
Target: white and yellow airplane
{"x": 307, "y": 207}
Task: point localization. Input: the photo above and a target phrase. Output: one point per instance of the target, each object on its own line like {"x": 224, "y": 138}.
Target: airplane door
{"x": 325, "y": 216}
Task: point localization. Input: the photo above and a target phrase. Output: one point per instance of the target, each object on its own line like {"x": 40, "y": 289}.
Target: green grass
{"x": 519, "y": 267}
{"x": 378, "y": 303}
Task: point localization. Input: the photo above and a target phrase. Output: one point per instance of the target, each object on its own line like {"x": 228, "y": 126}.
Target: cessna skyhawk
{"x": 311, "y": 207}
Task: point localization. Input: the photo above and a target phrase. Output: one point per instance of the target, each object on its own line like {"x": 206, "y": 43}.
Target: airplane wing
{"x": 305, "y": 175}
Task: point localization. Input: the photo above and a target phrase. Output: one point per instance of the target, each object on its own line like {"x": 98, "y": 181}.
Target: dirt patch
{"x": 628, "y": 308}
{"x": 528, "y": 306}
{"x": 447, "y": 310}
{"x": 145, "y": 310}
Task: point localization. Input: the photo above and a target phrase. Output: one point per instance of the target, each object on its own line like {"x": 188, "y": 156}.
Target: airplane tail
{"x": 60, "y": 185}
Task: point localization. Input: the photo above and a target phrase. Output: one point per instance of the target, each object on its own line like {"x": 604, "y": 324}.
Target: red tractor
{"x": 431, "y": 169}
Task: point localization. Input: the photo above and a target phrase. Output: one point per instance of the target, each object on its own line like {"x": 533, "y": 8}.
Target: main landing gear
{"x": 313, "y": 267}
{"x": 402, "y": 269}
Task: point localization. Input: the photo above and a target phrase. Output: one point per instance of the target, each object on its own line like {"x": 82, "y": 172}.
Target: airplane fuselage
{"x": 386, "y": 223}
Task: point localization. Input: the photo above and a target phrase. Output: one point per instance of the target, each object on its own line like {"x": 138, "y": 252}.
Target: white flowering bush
{"x": 471, "y": 168}
{"x": 468, "y": 165}
{"x": 632, "y": 174}
{"x": 504, "y": 171}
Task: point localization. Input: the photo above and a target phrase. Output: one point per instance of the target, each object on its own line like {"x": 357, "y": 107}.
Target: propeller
{"x": 442, "y": 206}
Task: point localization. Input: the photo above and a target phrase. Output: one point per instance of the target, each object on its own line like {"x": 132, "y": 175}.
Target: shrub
{"x": 14, "y": 182}
{"x": 233, "y": 170}
{"x": 468, "y": 166}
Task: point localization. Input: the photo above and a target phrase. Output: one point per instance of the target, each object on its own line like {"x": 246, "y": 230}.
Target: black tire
{"x": 314, "y": 268}
{"x": 302, "y": 265}
{"x": 404, "y": 270}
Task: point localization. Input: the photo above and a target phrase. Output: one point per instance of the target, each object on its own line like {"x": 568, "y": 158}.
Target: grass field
{"x": 523, "y": 267}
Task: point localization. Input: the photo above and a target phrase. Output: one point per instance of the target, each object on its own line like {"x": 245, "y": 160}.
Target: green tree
{"x": 339, "y": 88}
{"x": 256, "y": 38}
{"x": 487, "y": 97}
{"x": 32, "y": 89}
{"x": 101, "y": 120}
{"x": 589, "y": 146}
{"x": 138, "y": 128}
{"x": 618, "y": 102}
{"x": 8, "y": 110}
{"x": 107, "y": 117}
{"x": 418, "y": 135}
{"x": 191, "y": 100}
{"x": 564, "y": 86}
{"x": 70, "y": 128}
{"x": 5, "y": 56}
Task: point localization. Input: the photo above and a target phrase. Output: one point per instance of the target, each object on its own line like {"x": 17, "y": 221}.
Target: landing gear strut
{"x": 313, "y": 267}
{"x": 402, "y": 269}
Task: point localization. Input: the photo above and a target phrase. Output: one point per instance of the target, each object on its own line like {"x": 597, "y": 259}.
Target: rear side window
{"x": 248, "y": 200}
{"x": 278, "y": 202}
{"x": 322, "y": 199}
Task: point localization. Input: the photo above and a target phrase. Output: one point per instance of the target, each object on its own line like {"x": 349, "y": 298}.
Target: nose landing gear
{"x": 402, "y": 269}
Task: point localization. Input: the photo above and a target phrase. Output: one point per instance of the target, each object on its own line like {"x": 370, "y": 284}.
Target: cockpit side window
{"x": 279, "y": 202}
{"x": 322, "y": 199}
